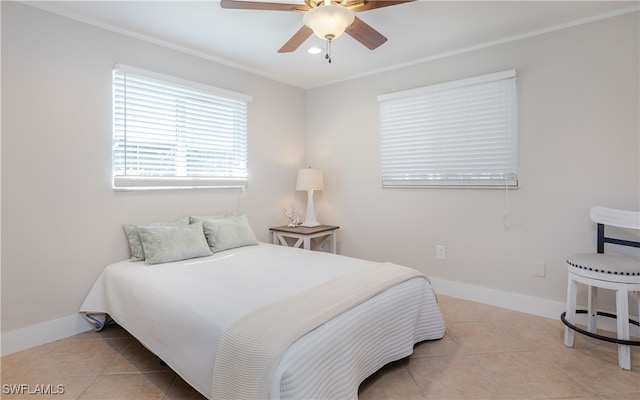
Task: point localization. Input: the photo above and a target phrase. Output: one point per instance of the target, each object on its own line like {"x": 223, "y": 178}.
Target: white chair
{"x": 607, "y": 271}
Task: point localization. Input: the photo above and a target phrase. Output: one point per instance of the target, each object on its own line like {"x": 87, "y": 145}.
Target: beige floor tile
{"x": 181, "y": 390}
{"x": 78, "y": 357}
{"x": 456, "y": 310}
{"x": 130, "y": 386}
{"x": 390, "y": 383}
{"x": 74, "y": 356}
{"x": 605, "y": 350}
{"x": 594, "y": 397}
{"x": 484, "y": 337}
{"x": 599, "y": 374}
{"x": 528, "y": 375}
{"x": 453, "y": 377}
{"x": 79, "y": 344}
{"x": 69, "y": 363}
{"x": 533, "y": 332}
{"x": 17, "y": 364}
{"x": 441, "y": 347}
{"x": 622, "y": 396}
{"x": 135, "y": 358}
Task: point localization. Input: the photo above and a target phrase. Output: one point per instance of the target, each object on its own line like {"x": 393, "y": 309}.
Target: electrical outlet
{"x": 441, "y": 252}
{"x": 539, "y": 269}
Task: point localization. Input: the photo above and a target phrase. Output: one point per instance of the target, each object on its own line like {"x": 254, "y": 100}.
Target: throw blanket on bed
{"x": 252, "y": 347}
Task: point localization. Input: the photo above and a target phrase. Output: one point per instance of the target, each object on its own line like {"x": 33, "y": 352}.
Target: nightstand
{"x": 304, "y": 236}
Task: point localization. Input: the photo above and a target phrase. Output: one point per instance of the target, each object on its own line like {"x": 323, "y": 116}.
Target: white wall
{"x": 579, "y": 147}
{"x": 61, "y": 221}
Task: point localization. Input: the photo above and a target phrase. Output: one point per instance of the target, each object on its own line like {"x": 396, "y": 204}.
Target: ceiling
{"x": 249, "y": 39}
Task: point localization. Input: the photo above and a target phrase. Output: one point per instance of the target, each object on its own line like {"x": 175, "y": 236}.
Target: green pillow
{"x": 163, "y": 244}
{"x": 131, "y": 230}
{"x": 228, "y": 233}
{"x": 200, "y": 218}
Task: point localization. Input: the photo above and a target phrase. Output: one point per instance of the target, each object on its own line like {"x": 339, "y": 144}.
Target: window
{"x": 455, "y": 134}
{"x": 171, "y": 133}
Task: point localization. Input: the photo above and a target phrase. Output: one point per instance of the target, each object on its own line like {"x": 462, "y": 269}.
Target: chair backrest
{"x": 618, "y": 218}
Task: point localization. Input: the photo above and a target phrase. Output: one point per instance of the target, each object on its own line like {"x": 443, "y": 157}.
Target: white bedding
{"x": 180, "y": 311}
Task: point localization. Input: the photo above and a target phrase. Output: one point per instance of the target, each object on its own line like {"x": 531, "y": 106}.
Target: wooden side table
{"x": 326, "y": 233}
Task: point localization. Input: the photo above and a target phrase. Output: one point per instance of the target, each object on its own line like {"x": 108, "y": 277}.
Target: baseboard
{"x": 512, "y": 301}
{"x": 519, "y": 302}
{"x": 45, "y": 332}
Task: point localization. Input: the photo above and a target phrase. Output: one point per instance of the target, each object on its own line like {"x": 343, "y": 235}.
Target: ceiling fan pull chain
{"x": 328, "y": 54}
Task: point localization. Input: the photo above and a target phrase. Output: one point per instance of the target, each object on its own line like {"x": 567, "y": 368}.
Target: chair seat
{"x": 610, "y": 267}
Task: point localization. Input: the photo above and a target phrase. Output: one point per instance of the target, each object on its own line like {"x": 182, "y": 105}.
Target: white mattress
{"x": 180, "y": 311}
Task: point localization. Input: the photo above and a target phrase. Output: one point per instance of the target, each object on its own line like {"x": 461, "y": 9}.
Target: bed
{"x": 267, "y": 321}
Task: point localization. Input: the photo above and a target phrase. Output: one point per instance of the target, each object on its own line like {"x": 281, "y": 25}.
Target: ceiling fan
{"x": 328, "y": 19}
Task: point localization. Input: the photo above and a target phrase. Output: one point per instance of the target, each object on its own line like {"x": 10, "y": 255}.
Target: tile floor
{"x": 487, "y": 353}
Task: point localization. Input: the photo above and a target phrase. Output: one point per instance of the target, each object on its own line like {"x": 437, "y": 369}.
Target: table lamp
{"x": 310, "y": 179}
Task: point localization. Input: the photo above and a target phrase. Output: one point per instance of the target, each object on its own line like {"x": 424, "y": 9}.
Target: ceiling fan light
{"x": 328, "y": 21}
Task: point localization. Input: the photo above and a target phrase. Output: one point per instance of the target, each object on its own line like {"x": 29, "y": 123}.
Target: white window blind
{"x": 172, "y": 133}
{"x": 455, "y": 134}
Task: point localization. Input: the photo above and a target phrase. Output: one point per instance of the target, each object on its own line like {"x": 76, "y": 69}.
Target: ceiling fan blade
{"x": 258, "y": 5}
{"x": 364, "y": 5}
{"x": 365, "y": 34}
{"x": 296, "y": 40}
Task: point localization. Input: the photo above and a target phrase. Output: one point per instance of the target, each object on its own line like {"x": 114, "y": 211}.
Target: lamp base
{"x": 310, "y": 219}
{"x": 312, "y": 224}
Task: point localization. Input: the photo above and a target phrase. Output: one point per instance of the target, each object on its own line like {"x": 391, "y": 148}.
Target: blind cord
{"x": 506, "y": 205}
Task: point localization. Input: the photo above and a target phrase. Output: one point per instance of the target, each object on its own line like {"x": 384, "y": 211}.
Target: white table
{"x": 303, "y": 236}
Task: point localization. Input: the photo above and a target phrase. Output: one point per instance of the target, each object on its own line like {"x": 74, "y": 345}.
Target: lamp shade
{"x": 328, "y": 21}
{"x": 309, "y": 179}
